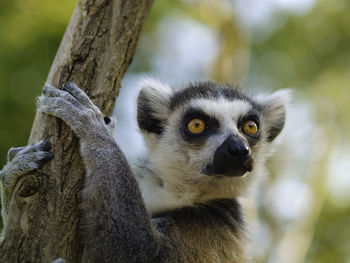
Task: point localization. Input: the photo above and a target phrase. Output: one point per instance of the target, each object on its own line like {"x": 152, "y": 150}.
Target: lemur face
{"x": 207, "y": 131}
{"x": 223, "y": 133}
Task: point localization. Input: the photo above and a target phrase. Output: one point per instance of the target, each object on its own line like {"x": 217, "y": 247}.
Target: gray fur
{"x": 165, "y": 208}
{"x": 207, "y": 90}
{"x": 21, "y": 161}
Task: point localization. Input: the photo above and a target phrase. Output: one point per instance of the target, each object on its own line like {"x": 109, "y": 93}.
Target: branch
{"x": 95, "y": 52}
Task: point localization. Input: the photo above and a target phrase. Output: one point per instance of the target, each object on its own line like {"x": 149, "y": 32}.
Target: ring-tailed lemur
{"x": 206, "y": 143}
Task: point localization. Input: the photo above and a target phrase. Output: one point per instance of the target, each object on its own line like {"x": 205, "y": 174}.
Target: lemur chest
{"x": 156, "y": 197}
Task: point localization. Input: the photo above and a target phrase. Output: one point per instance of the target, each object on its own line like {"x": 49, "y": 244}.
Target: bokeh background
{"x": 301, "y": 212}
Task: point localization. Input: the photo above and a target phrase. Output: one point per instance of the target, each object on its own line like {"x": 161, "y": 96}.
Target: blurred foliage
{"x": 331, "y": 239}
{"x": 312, "y": 54}
{"x": 30, "y": 33}
{"x": 307, "y": 51}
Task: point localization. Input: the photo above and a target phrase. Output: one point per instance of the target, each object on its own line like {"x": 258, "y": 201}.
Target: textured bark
{"x": 95, "y": 52}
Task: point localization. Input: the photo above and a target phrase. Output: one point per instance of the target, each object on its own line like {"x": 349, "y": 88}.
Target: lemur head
{"x": 206, "y": 140}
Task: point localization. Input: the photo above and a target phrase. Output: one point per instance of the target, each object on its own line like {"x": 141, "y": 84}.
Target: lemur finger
{"x": 79, "y": 94}
{"x": 25, "y": 163}
{"x": 58, "y": 107}
{"x": 44, "y": 158}
{"x": 39, "y": 158}
{"x": 13, "y": 152}
{"x": 64, "y": 110}
{"x": 50, "y": 91}
{"x": 37, "y": 152}
{"x": 43, "y": 145}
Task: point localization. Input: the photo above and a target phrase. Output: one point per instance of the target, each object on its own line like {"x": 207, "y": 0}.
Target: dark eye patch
{"x": 250, "y": 116}
{"x": 211, "y": 125}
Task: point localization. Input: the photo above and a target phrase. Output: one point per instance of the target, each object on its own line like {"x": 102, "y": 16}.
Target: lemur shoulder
{"x": 206, "y": 143}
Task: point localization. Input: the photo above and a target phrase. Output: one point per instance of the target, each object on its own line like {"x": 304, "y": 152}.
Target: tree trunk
{"x": 95, "y": 52}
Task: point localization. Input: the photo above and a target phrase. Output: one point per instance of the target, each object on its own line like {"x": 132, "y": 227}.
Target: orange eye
{"x": 196, "y": 126}
{"x": 250, "y": 128}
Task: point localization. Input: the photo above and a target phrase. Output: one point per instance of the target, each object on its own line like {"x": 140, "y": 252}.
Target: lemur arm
{"x": 116, "y": 225}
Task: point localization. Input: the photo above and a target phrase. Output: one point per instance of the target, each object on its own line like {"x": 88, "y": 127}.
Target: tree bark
{"x": 95, "y": 52}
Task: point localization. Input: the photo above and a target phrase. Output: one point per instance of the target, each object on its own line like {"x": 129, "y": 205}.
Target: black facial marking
{"x": 145, "y": 116}
{"x": 232, "y": 158}
{"x": 273, "y": 132}
{"x": 211, "y": 125}
{"x": 252, "y": 115}
{"x": 208, "y": 90}
{"x": 276, "y": 127}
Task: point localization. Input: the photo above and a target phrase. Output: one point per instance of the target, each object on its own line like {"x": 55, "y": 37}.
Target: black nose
{"x": 232, "y": 157}
{"x": 235, "y": 149}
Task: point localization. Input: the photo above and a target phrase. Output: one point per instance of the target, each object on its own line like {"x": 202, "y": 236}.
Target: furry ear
{"x": 274, "y": 111}
{"x": 153, "y": 105}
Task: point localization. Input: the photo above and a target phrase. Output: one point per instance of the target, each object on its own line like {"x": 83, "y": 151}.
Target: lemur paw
{"x": 23, "y": 160}
{"x": 74, "y": 107}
